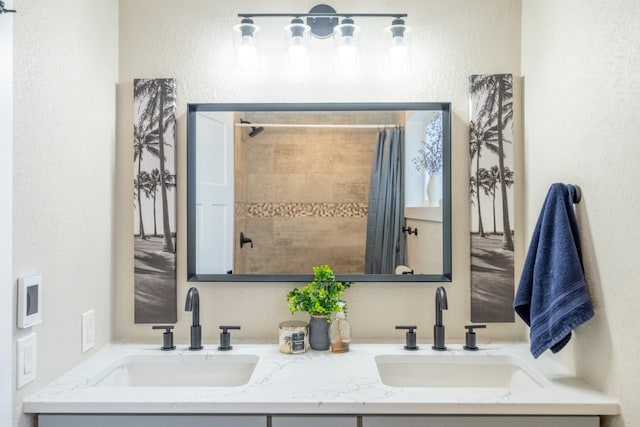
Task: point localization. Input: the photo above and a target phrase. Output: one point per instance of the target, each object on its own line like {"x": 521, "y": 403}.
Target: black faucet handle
{"x": 166, "y": 327}
{"x": 167, "y": 337}
{"x": 225, "y": 337}
{"x": 410, "y": 337}
{"x": 410, "y": 328}
{"x": 470, "y": 337}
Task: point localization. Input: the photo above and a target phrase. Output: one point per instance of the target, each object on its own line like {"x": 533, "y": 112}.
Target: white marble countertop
{"x": 320, "y": 383}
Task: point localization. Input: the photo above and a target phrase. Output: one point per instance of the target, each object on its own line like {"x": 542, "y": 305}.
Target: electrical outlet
{"x": 26, "y": 357}
{"x": 88, "y": 330}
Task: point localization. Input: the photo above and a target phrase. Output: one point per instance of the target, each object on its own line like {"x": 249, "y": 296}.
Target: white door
{"x": 214, "y": 192}
{"x": 6, "y": 190}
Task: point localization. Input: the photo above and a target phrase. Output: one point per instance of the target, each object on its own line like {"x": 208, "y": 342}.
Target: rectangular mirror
{"x": 275, "y": 189}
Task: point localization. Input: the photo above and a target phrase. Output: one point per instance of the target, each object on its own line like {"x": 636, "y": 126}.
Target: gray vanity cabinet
{"x": 479, "y": 421}
{"x": 54, "y": 420}
{"x": 63, "y": 420}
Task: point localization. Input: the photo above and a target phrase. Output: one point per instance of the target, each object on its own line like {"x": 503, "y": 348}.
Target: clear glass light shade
{"x": 247, "y": 51}
{"x": 297, "y": 45}
{"x": 398, "y": 49}
{"x": 347, "y": 49}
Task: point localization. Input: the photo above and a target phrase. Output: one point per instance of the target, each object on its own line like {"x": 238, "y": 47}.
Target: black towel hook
{"x": 577, "y": 193}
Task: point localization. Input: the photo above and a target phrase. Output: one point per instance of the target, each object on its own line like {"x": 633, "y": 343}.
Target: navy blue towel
{"x": 552, "y": 296}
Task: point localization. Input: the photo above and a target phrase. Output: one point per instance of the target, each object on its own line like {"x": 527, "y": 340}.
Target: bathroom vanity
{"x": 373, "y": 385}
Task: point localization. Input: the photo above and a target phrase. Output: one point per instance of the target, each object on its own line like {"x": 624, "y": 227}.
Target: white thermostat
{"x": 29, "y": 301}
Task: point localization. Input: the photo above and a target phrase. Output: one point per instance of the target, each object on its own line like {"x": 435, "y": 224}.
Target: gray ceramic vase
{"x": 319, "y": 333}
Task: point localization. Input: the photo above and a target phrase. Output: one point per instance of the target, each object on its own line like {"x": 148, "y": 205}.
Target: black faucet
{"x": 438, "y": 328}
{"x": 193, "y": 304}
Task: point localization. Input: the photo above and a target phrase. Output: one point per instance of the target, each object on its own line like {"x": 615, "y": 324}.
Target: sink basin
{"x": 179, "y": 370}
{"x": 456, "y": 371}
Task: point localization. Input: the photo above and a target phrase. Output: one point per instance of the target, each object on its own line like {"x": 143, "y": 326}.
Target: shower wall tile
{"x": 292, "y": 245}
{"x": 306, "y": 196}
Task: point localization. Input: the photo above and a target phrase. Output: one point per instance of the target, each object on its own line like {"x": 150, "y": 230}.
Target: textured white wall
{"x": 64, "y": 172}
{"x": 581, "y": 68}
{"x": 194, "y": 44}
{"x": 6, "y": 166}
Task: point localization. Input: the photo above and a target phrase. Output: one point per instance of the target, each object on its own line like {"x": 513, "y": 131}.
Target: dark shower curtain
{"x": 386, "y": 243}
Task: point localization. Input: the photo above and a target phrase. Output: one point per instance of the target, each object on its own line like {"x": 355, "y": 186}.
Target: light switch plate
{"x": 88, "y": 330}
{"x": 26, "y": 356}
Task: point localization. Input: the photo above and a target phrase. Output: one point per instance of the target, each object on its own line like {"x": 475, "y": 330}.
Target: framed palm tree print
{"x": 154, "y": 200}
{"x": 491, "y": 194}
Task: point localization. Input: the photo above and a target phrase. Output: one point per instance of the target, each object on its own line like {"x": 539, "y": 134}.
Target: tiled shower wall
{"x": 305, "y": 199}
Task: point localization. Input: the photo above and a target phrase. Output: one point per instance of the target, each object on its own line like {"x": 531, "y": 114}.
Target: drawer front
{"x": 314, "y": 421}
{"x": 480, "y": 421}
{"x": 151, "y": 421}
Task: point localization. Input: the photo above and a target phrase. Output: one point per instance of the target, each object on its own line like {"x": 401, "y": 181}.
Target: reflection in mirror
{"x": 275, "y": 189}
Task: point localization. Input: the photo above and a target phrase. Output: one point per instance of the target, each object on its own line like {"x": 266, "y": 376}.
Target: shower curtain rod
{"x": 309, "y": 125}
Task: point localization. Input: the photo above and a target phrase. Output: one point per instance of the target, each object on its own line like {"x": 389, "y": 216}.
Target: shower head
{"x": 254, "y": 130}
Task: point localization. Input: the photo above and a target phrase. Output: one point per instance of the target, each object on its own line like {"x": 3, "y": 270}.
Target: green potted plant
{"x": 319, "y": 298}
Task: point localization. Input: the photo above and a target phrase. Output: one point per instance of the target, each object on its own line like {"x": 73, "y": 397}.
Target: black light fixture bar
{"x": 323, "y": 22}
{"x": 322, "y": 18}
{"x": 322, "y": 15}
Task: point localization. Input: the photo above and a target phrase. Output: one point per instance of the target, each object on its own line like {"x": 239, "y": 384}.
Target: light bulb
{"x": 347, "y": 53}
{"x": 398, "y": 50}
{"x": 297, "y": 53}
{"x": 247, "y": 51}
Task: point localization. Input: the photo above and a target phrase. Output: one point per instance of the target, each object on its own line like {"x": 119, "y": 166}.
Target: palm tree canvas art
{"x": 491, "y": 194}
{"x": 154, "y": 200}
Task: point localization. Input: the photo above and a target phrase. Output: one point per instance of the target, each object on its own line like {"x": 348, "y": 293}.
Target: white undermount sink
{"x": 179, "y": 370}
{"x": 477, "y": 371}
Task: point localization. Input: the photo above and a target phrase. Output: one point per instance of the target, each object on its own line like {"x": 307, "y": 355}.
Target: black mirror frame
{"x": 445, "y": 107}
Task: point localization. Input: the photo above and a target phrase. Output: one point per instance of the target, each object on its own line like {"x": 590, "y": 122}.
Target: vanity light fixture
{"x": 323, "y": 22}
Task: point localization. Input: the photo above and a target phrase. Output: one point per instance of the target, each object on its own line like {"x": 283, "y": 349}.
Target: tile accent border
{"x": 301, "y": 210}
